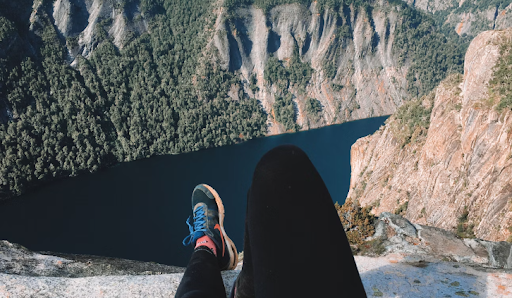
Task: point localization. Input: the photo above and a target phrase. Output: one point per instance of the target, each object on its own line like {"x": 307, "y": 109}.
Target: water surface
{"x": 137, "y": 210}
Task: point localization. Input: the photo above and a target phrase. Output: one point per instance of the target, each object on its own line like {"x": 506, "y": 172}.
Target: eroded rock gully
{"x": 373, "y": 84}
{"x": 461, "y": 172}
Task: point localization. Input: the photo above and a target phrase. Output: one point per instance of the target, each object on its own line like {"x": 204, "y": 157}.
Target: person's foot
{"x": 209, "y": 221}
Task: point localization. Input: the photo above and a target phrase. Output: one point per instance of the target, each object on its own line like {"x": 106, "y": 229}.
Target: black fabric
{"x": 294, "y": 243}
{"x": 202, "y": 278}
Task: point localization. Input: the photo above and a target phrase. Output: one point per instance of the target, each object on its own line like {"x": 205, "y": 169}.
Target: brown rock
{"x": 463, "y": 160}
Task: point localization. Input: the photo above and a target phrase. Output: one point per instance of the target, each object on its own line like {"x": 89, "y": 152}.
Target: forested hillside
{"x": 71, "y": 103}
{"x": 119, "y": 105}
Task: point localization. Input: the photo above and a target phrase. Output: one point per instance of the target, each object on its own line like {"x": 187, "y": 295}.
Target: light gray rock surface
{"x": 400, "y": 236}
{"x": 17, "y": 260}
{"x": 419, "y": 261}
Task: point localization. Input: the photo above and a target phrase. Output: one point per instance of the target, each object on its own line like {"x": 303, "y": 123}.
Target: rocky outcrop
{"x": 418, "y": 261}
{"x": 368, "y": 80}
{"x": 457, "y": 177}
{"x": 398, "y": 235}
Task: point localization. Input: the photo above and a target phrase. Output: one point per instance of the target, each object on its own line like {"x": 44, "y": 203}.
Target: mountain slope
{"x": 118, "y": 105}
{"x": 445, "y": 160}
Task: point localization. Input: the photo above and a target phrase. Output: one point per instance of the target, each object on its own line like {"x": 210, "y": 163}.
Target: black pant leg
{"x": 202, "y": 279}
{"x": 296, "y": 241}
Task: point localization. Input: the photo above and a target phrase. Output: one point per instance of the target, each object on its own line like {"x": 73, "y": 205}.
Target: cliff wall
{"x": 368, "y": 81}
{"x": 357, "y": 70}
{"x": 453, "y": 169}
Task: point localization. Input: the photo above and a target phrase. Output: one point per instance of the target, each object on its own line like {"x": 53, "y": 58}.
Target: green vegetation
{"x": 423, "y": 212}
{"x": 297, "y": 73}
{"x": 432, "y": 55}
{"x": 276, "y": 73}
{"x": 411, "y": 121}
{"x": 330, "y": 69}
{"x": 6, "y": 28}
{"x": 501, "y": 83}
{"x": 313, "y": 108}
{"x": 337, "y": 87}
{"x": 483, "y": 5}
{"x": 464, "y": 229}
{"x": 253, "y": 83}
{"x": 266, "y": 5}
{"x": 284, "y": 112}
{"x": 151, "y": 97}
{"x": 373, "y": 247}
{"x": 473, "y": 7}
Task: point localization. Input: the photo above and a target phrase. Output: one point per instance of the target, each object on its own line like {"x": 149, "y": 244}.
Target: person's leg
{"x": 202, "y": 277}
{"x": 294, "y": 245}
{"x": 214, "y": 251}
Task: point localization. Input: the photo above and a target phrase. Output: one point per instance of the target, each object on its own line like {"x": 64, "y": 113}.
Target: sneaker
{"x": 209, "y": 220}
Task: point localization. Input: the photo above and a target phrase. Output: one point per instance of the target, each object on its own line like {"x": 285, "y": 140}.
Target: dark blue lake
{"x": 137, "y": 210}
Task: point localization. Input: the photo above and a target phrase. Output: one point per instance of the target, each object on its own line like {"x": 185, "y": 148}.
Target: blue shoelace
{"x": 199, "y": 228}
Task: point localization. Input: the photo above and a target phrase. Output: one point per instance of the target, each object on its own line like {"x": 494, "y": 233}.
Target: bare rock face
{"x": 458, "y": 176}
{"x": 371, "y": 83}
{"x": 82, "y": 23}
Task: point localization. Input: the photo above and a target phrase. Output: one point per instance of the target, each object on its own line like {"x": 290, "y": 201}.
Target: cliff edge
{"x": 445, "y": 160}
{"x": 415, "y": 261}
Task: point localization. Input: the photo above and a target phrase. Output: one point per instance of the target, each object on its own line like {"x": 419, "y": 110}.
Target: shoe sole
{"x": 233, "y": 253}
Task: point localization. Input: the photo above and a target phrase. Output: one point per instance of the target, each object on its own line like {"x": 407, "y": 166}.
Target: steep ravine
{"x": 454, "y": 170}
{"x": 371, "y": 83}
